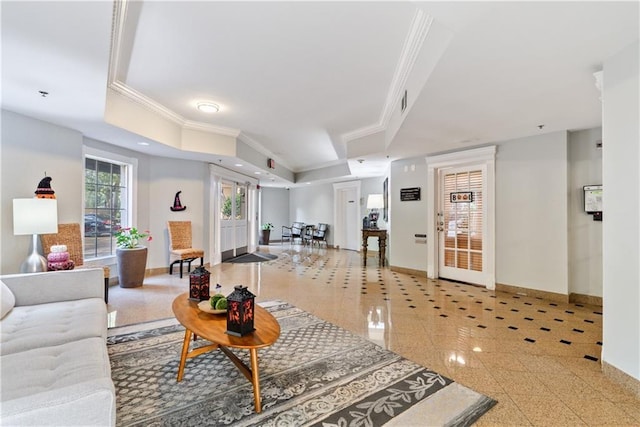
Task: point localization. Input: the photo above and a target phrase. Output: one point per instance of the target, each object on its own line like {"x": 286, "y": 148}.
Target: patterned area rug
{"x": 315, "y": 374}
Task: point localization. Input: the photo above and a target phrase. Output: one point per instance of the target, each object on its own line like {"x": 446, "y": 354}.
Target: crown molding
{"x": 120, "y": 8}
{"x": 262, "y": 150}
{"x": 418, "y": 31}
{"x": 362, "y": 132}
{"x": 206, "y": 127}
{"x": 420, "y": 26}
{"x": 117, "y": 30}
{"x": 146, "y": 102}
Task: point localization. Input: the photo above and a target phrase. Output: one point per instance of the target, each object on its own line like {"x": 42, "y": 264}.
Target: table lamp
{"x": 374, "y": 202}
{"x": 34, "y": 216}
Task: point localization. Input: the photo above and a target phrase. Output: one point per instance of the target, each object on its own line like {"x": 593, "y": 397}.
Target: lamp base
{"x": 34, "y": 263}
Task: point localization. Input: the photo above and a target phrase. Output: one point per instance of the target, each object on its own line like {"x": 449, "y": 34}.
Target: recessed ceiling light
{"x": 143, "y": 143}
{"x": 239, "y": 165}
{"x": 257, "y": 173}
{"x": 208, "y": 107}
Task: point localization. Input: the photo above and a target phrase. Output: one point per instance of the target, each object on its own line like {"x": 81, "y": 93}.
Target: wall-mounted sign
{"x": 592, "y": 198}
{"x": 271, "y": 164}
{"x": 409, "y": 194}
{"x": 461, "y": 197}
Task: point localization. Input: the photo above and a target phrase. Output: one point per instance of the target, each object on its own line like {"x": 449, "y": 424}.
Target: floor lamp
{"x": 34, "y": 216}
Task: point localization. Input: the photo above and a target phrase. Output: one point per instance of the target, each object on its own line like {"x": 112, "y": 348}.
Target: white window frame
{"x": 131, "y": 180}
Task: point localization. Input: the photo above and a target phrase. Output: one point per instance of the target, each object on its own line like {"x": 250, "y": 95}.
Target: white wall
{"x": 585, "y": 234}
{"x": 166, "y": 177}
{"x": 408, "y": 218}
{"x": 312, "y": 204}
{"x": 531, "y": 213}
{"x": 621, "y": 207}
{"x": 275, "y": 209}
{"x": 58, "y": 151}
{"x": 29, "y": 149}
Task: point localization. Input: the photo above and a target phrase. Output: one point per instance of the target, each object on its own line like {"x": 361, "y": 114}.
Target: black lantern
{"x": 240, "y": 311}
{"x": 199, "y": 284}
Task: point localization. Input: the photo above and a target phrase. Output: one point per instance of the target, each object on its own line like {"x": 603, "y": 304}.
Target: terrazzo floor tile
{"x": 538, "y": 408}
{"x": 540, "y": 359}
{"x": 505, "y": 413}
{"x": 600, "y": 412}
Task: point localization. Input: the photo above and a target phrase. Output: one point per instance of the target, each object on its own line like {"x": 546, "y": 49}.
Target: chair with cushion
{"x": 293, "y": 232}
{"x": 70, "y": 236}
{"x": 307, "y": 234}
{"x": 180, "y": 249}
{"x": 320, "y": 234}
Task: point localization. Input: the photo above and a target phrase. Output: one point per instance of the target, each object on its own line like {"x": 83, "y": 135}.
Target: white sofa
{"x": 54, "y": 366}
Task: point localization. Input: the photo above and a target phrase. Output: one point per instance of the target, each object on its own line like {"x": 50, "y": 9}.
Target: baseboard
{"x": 621, "y": 378}
{"x": 160, "y": 270}
{"x": 409, "y": 271}
{"x": 551, "y": 296}
{"x": 585, "y": 299}
{"x": 113, "y": 281}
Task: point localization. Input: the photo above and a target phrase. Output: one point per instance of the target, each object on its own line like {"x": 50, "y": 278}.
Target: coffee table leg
{"x": 185, "y": 350}
{"x": 255, "y": 379}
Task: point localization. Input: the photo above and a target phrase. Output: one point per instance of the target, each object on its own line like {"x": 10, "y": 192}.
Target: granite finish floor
{"x": 539, "y": 359}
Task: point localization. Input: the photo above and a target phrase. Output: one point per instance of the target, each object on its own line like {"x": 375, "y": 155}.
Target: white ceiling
{"x": 316, "y": 84}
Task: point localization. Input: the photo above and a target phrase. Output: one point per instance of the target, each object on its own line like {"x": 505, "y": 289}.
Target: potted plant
{"x": 266, "y": 233}
{"x": 131, "y": 256}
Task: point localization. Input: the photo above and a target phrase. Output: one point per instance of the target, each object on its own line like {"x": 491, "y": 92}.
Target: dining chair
{"x": 180, "y": 249}
{"x": 293, "y": 232}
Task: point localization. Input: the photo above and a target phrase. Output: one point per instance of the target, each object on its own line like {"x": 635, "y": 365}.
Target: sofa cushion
{"x": 91, "y": 403}
{"x": 7, "y": 300}
{"x": 45, "y": 325}
{"x": 68, "y": 385}
{"x": 50, "y": 368}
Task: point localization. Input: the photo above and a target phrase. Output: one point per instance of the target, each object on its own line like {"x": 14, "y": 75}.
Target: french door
{"x": 461, "y": 224}
{"x": 233, "y": 219}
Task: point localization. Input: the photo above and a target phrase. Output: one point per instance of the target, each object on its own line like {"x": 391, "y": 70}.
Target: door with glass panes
{"x": 233, "y": 219}
{"x": 461, "y": 220}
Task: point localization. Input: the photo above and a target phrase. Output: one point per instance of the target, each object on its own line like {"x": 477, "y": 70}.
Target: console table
{"x": 382, "y": 243}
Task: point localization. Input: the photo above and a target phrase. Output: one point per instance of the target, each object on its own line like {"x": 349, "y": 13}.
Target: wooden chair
{"x": 293, "y": 232}
{"x": 70, "y": 236}
{"x": 180, "y": 249}
{"x": 320, "y": 234}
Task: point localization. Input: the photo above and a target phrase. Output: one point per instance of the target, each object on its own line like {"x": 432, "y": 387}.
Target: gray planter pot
{"x": 132, "y": 264}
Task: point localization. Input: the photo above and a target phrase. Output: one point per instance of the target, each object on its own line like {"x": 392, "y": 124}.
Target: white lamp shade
{"x": 375, "y": 201}
{"x": 35, "y": 216}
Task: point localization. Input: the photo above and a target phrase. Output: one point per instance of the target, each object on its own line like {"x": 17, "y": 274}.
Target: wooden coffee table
{"x": 212, "y": 327}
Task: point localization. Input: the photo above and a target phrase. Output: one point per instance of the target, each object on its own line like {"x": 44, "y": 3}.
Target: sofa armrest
{"x": 54, "y": 286}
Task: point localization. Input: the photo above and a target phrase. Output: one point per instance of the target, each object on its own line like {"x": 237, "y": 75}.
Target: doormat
{"x": 254, "y": 257}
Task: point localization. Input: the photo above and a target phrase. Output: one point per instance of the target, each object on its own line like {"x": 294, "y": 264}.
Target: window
{"x": 106, "y": 204}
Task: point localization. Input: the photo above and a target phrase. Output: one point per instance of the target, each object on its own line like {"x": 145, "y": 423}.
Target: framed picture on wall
{"x": 385, "y": 198}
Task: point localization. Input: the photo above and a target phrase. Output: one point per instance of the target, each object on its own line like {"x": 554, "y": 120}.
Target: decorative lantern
{"x": 240, "y": 311}
{"x": 199, "y": 284}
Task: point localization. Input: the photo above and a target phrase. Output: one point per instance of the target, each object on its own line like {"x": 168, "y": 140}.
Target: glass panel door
{"x": 233, "y": 219}
{"x": 462, "y": 213}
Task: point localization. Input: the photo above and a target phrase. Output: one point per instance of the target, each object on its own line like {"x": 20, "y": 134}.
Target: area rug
{"x": 316, "y": 374}
{"x": 253, "y": 257}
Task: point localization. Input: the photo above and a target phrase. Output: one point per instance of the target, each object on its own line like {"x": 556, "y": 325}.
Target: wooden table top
{"x": 213, "y": 327}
